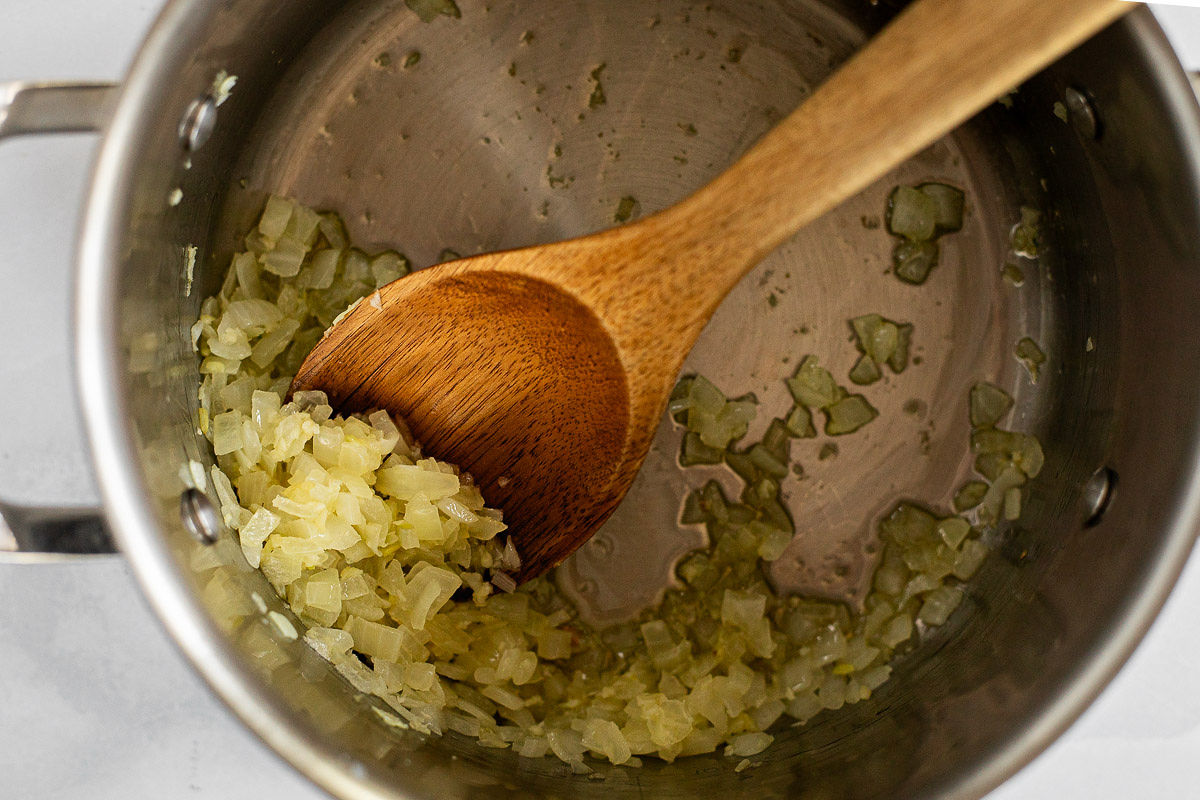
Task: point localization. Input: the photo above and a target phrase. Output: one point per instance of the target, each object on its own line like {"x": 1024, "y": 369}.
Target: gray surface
{"x": 97, "y": 703}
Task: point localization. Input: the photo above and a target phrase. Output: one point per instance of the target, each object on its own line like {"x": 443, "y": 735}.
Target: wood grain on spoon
{"x": 544, "y": 371}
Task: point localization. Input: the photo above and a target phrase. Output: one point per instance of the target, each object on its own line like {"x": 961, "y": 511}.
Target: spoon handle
{"x": 935, "y": 65}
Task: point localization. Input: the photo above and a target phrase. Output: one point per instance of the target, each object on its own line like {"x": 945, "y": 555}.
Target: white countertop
{"x": 96, "y": 703}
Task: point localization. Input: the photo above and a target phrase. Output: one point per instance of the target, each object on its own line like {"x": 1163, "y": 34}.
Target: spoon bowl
{"x": 491, "y": 382}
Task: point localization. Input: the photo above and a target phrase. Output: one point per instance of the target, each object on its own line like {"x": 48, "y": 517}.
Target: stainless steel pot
{"x": 461, "y": 150}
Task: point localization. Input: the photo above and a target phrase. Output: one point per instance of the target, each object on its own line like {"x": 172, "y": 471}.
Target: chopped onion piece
{"x": 762, "y": 458}
{"x": 510, "y": 559}
{"x": 969, "y": 495}
{"x": 912, "y": 214}
{"x": 865, "y": 371}
{"x": 695, "y": 451}
{"x": 848, "y": 415}
{"x": 1025, "y": 237}
{"x": 389, "y": 266}
{"x": 1029, "y": 456}
{"x": 1012, "y": 504}
{"x": 953, "y": 530}
{"x": 988, "y": 404}
{"x": 939, "y": 604}
{"x": 429, "y": 10}
{"x": 882, "y": 343}
{"x": 1029, "y": 354}
{"x": 909, "y": 525}
{"x": 813, "y": 386}
{"x": 969, "y": 559}
{"x": 948, "y": 206}
{"x": 275, "y": 218}
{"x": 748, "y": 744}
{"x": 913, "y": 261}
{"x": 898, "y": 360}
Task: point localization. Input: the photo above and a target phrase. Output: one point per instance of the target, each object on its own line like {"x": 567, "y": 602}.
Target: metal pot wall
{"x": 318, "y": 113}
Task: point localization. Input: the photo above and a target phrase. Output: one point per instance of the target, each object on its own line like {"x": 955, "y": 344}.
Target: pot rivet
{"x": 1081, "y": 111}
{"x": 1098, "y": 495}
{"x": 198, "y": 123}
{"x": 199, "y": 516}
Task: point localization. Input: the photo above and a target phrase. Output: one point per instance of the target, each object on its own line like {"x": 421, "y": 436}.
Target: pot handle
{"x": 54, "y": 107}
{"x": 30, "y": 533}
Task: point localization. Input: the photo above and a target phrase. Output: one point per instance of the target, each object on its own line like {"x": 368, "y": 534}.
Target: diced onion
{"x": 948, "y": 204}
{"x": 913, "y": 261}
{"x": 988, "y": 404}
{"x": 865, "y": 371}
{"x": 848, "y": 415}
{"x": 395, "y": 569}
{"x": 1029, "y": 354}
{"x": 912, "y": 214}
{"x": 1025, "y": 237}
{"x": 813, "y": 386}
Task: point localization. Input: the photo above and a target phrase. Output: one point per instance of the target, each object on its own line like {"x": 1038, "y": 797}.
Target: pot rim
{"x": 126, "y": 498}
{"x": 128, "y": 502}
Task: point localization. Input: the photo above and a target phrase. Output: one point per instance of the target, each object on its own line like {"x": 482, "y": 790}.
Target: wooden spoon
{"x": 544, "y": 371}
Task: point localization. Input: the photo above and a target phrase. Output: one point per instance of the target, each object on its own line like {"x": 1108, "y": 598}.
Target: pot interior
{"x": 483, "y": 132}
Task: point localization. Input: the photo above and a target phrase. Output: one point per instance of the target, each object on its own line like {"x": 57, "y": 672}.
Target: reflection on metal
{"x": 1081, "y": 112}
{"x": 200, "y": 516}
{"x": 198, "y": 123}
{"x": 27, "y": 108}
{"x": 1098, "y": 493}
